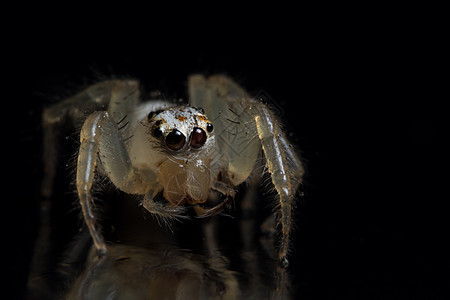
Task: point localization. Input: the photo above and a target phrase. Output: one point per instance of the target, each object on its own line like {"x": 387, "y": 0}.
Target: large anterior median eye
{"x": 175, "y": 140}
{"x": 198, "y": 137}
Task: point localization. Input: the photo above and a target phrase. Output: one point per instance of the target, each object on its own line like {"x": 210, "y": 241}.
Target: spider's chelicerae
{"x": 187, "y": 153}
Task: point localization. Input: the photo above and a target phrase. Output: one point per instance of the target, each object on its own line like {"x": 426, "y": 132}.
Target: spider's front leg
{"x": 116, "y": 95}
{"x": 286, "y": 172}
{"x": 237, "y": 117}
{"x": 285, "y": 169}
{"x": 102, "y": 142}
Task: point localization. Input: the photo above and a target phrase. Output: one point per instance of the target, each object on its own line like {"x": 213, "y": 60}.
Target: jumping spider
{"x": 184, "y": 152}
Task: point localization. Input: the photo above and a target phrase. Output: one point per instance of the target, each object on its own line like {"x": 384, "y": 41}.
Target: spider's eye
{"x": 157, "y": 132}
{"x": 175, "y": 140}
{"x": 153, "y": 113}
{"x": 199, "y": 109}
{"x": 198, "y": 138}
{"x": 209, "y": 127}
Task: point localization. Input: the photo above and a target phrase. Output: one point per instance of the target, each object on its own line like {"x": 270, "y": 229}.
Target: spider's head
{"x": 186, "y": 138}
{"x": 181, "y": 129}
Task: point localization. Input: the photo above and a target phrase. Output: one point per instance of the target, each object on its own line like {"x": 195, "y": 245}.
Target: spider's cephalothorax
{"x": 184, "y": 139}
{"x": 145, "y": 148}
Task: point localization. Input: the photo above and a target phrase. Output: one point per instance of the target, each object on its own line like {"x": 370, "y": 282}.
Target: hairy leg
{"x": 102, "y": 142}
{"x": 281, "y": 163}
{"x": 286, "y": 172}
{"x": 116, "y": 95}
{"x": 62, "y": 118}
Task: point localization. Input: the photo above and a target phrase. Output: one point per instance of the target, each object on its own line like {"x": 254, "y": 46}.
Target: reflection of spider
{"x": 190, "y": 154}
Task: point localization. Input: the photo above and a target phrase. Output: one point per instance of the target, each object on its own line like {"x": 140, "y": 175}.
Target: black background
{"x": 361, "y": 102}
